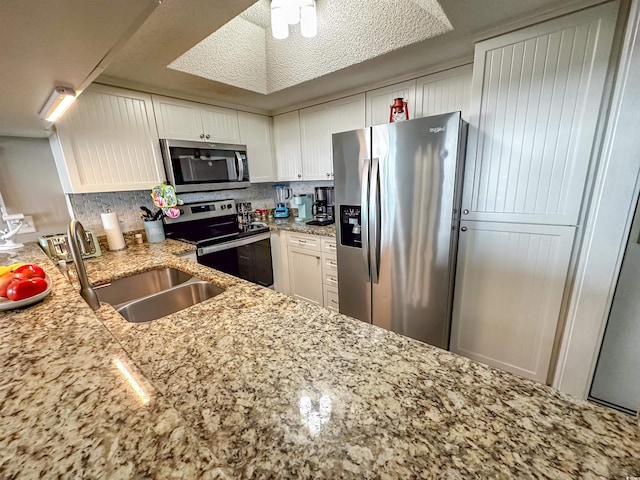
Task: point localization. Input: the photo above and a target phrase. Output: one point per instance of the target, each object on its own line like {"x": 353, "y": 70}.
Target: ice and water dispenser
{"x": 350, "y": 226}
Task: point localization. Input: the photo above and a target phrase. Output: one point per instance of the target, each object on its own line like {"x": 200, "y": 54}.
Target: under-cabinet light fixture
{"x": 291, "y": 12}
{"x": 60, "y": 99}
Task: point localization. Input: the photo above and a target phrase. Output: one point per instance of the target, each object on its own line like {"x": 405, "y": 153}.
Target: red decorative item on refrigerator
{"x": 399, "y": 110}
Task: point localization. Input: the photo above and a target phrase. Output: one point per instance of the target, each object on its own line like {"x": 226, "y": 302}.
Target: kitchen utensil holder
{"x": 154, "y": 231}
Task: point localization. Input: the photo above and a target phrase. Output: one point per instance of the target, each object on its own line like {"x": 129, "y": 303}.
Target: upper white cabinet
{"x": 536, "y": 97}
{"x": 509, "y": 286}
{"x": 444, "y": 92}
{"x": 181, "y": 120}
{"x": 318, "y": 124}
{"x": 108, "y": 141}
{"x": 379, "y": 101}
{"x": 256, "y": 133}
{"x": 286, "y": 139}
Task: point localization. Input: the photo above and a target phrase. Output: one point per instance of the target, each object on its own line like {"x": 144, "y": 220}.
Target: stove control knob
{"x": 213, "y": 208}
{"x": 223, "y": 207}
{"x": 229, "y": 206}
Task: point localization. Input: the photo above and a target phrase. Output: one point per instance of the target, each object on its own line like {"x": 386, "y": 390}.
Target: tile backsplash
{"x": 87, "y": 207}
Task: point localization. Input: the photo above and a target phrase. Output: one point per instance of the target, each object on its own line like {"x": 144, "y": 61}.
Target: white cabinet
{"x": 536, "y": 97}
{"x": 509, "y": 286}
{"x": 305, "y": 267}
{"x": 305, "y": 274}
{"x": 108, "y": 141}
{"x": 379, "y": 101}
{"x": 315, "y": 140}
{"x": 318, "y": 124}
{"x": 444, "y": 92}
{"x": 182, "y": 120}
{"x": 286, "y": 139}
{"x": 256, "y": 134}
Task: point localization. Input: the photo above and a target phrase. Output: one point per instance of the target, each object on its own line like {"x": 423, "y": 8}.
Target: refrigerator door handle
{"x": 364, "y": 217}
{"x": 374, "y": 220}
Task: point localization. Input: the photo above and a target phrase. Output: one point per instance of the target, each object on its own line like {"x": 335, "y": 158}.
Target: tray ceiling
{"x": 242, "y": 53}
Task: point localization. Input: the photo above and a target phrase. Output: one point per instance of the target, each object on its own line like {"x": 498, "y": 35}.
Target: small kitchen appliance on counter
{"x": 283, "y": 193}
{"x": 323, "y": 207}
{"x": 304, "y": 204}
{"x": 56, "y": 246}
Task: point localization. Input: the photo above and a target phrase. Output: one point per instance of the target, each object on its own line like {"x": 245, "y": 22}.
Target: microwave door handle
{"x": 240, "y": 166}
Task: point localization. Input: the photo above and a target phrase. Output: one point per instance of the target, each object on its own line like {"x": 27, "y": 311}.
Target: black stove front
{"x": 240, "y": 250}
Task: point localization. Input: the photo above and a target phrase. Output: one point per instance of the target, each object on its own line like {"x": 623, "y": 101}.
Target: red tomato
{"x": 30, "y": 270}
{"x": 25, "y": 288}
{"x": 5, "y": 280}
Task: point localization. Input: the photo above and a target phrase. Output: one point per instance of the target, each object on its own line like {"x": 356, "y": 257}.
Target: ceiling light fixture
{"x": 291, "y": 12}
{"x": 60, "y": 99}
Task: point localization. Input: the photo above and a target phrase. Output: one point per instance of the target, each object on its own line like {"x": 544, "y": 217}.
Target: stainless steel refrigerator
{"x": 397, "y": 197}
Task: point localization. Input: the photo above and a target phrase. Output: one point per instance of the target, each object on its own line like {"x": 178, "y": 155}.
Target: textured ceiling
{"x": 243, "y": 53}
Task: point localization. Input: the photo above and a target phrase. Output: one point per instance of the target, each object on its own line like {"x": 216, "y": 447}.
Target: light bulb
{"x": 308, "y": 20}
{"x": 279, "y": 27}
{"x": 292, "y": 12}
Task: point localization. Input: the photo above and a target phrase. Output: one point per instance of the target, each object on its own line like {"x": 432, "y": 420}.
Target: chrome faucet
{"x": 78, "y": 244}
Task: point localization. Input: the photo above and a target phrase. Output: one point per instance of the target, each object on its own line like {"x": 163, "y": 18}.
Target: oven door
{"x": 248, "y": 258}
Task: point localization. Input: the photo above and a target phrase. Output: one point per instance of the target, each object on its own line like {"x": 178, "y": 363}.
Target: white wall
{"x": 30, "y": 185}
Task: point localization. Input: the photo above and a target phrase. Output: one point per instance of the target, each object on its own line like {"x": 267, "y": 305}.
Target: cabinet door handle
{"x": 463, "y": 229}
{"x": 299, "y": 176}
{"x": 202, "y": 135}
{"x": 207, "y": 136}
{"x": 328, "y": 175}
{"x": 465, "y": 211}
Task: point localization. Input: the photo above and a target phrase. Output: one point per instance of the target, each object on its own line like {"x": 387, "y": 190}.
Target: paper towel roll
{"x": 112, "y": 230}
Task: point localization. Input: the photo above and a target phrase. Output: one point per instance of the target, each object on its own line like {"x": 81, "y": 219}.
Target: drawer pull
{"x": 333, "y": 279}
{"x": 333, "y": 264}
{"x": 302, "y": 241}
{"x": 333, "y": 301}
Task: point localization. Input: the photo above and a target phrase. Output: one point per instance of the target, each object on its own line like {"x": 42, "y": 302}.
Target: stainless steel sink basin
{"x": 150, "y": 295}
{"x": 168, "y": 302}
{"x": 126, "y": 289}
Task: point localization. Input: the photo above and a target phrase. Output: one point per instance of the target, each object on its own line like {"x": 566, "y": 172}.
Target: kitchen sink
{"x": 126, "y": 289}
{"x": 156, "y": 293}
{"x": 168, "y": 302}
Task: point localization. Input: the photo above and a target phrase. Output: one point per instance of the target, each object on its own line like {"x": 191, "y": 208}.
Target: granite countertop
{"x": 291, "y": 225}
{"x": 254, "y": 384}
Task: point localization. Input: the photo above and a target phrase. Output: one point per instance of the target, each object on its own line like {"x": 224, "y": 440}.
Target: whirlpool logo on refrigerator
{"x": 437, "y": 129}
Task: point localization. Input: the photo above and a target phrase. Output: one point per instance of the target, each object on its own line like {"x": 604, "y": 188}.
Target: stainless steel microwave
{"x": 204, "y": 166}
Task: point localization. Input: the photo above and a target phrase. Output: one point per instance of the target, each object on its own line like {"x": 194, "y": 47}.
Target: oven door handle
{"x": 219, "y": 247}
{"x": 240, "y": 165}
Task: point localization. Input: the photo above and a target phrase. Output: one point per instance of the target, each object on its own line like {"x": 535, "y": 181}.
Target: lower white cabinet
{"x": 510, "y": 281}
{"x": 108, "y": 142}
{"x": 305, "y": 267}
{"x": 305, "y": 274}
{"x": 330, "y": 297}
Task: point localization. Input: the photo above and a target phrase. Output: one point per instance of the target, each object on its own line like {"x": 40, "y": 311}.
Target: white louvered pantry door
{"x": 509, "y": 288}
{"x": 535, "y": 101}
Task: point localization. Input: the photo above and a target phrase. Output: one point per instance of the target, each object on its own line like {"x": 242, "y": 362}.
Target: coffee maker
{"x": 303, "y": 202}
{"x": 323, "y": 207}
